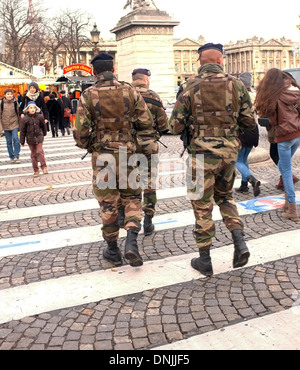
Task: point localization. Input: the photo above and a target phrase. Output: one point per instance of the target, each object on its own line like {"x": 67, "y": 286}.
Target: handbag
{"x": 67, "y": 112}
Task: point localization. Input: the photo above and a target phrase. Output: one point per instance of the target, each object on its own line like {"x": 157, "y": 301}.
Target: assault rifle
{"x": 157, "y": 103}
{"x": 90, "y": 142}
{"x": 83, "y": 157}
{"x": 186, "y": 135}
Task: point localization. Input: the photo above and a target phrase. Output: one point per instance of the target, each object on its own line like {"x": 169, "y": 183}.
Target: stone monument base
{"x": 145, "y": 38}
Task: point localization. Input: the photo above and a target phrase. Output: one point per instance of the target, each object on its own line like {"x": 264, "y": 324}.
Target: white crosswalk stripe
{"x": 68, "y": 291}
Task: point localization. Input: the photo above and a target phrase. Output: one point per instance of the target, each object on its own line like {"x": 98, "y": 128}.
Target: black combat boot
{"x": 131, "y": 249}
{"x": 241, "y": 251}
{"x": 121, "y": 216}
{"x": 255, "y": 184}
{"x": 243, "y": 188}
{"x": 203, "y": 263}
{"x": 112, "y": 253}
{"x": 148, "y": 225}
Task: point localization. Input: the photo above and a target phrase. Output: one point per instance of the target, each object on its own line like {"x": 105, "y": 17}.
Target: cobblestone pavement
{"x": 147, "y": 318}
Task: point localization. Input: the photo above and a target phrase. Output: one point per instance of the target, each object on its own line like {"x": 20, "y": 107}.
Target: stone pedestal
{"x": 145, "y": 39}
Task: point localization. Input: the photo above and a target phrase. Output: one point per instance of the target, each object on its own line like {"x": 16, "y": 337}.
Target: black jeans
{"x": 54, "y": 126}
{"x": 274, "y": 153}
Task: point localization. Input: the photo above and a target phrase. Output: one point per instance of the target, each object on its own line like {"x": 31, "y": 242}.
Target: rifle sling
{"x": 153, "y": 101}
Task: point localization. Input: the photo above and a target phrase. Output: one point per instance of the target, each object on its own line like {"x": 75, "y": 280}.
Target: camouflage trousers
{"x": 149, "y": 186}
{"x": 111, "y": 186}
{"x": 149, "y": 193}
{"x": 219, "y": 176}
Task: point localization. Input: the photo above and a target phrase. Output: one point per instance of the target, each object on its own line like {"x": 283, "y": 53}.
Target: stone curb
{"x": 258, "y": 155}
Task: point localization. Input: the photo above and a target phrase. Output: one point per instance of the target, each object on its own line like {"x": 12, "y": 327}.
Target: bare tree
{"x": 77, "y": 23}
{"x": 57, "y": 38}
{"x": 19, "y": 27}
{"x": 28, "y": 35}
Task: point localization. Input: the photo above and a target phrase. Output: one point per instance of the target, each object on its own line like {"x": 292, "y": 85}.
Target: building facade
{"x": 256, "y": 55}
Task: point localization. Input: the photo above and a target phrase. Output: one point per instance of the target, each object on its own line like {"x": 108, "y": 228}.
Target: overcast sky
{"x": 227, "y": 20}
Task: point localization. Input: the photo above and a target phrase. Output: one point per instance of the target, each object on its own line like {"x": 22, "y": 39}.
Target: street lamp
{"x": 95, "y": 38}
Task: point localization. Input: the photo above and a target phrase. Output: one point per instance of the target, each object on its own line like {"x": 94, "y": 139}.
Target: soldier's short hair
{"x": 103, "y": 66}
{"x": 102, "y": 62}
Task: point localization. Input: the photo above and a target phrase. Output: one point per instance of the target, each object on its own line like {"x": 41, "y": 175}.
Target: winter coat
{"x": 54, "y": 109}
{"x": 9, "y": 115}
{"x": 65, "y": 102}
{"x": 286, "y": 117}
{"x": 33, "y": 128}
{"x": 249, "y": 138}
{"x": 40, "y": 102}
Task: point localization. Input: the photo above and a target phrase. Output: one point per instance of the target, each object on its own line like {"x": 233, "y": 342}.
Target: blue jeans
{"x": 286, "y": 150}
{"x": 242, "y": 163}
{"x": 13, "y": 143}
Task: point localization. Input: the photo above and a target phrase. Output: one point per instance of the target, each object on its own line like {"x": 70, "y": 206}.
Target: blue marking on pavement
{"x": 165, "y": 222}
{"x": 258, "y": 205}
{"x": 18, "y": 244}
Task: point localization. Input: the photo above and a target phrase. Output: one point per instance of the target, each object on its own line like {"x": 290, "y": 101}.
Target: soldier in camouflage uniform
{"x": 212, "y": 106}
{"x": 141, "y": 81}
{"x": 110, "y": 118}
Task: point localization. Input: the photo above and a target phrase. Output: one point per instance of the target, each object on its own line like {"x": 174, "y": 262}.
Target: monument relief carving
{"x": 136, "y": 4}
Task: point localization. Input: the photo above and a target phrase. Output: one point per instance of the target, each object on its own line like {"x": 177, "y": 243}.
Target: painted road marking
{"x": 70, "y": 207}
{"x": 277, "y": 331}
{"x": 74, "y": 290}
{"x": 161, "y": 193}
{"x": 39, "y": 188}
{"x": 256, "y": 205}
{"x": 92, "y": 234}
{"x": 163, "y": 162}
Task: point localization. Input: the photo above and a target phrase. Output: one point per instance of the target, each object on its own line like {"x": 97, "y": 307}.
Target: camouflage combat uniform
{"x": 160, "y": 119}
{"x": 118, "y": 117}
{"x": 214, "y": 105}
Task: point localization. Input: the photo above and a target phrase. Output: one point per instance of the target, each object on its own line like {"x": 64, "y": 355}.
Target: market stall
{"x": 14, "y": 78}
{"x": 74, "y": 85}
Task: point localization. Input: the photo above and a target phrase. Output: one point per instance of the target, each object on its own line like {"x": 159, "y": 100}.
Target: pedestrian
{"x": 211, "y": 107}
{"x": 141, "y": 82}
{"x": 278, "y": 98}
{"x": 1, "y": 129}
{"x": 275, "y": 156}
{"x": 109, "y": 116}
{"x": 10, "y": 121}
{"x": 249, "y": 138}
{"x": 33, "y": 94}
{"x": 66, "y": 112}
{"x": 19, "y": 98}
{"x": 54, "y": 111}
{"x": 33, "y": 129}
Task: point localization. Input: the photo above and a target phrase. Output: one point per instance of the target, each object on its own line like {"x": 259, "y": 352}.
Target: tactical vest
{"x": 112, "y": 108}
{"x": 215, "y": 107}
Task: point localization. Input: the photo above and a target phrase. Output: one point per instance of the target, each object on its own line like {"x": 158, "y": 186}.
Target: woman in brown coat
{"x": 278, "y": 98}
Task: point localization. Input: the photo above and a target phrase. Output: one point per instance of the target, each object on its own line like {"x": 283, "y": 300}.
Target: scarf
{"x": 211, "y": 68}
{"x": 34, "y": 96}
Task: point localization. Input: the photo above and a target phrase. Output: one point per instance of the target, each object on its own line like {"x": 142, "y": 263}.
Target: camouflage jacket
{"x": 213, "y": 105}
{"x": 156, "y": 108}
{"x": 111, "y": 114}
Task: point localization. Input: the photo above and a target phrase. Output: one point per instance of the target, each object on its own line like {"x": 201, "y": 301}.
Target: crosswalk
{"x": 167, "y": 321}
